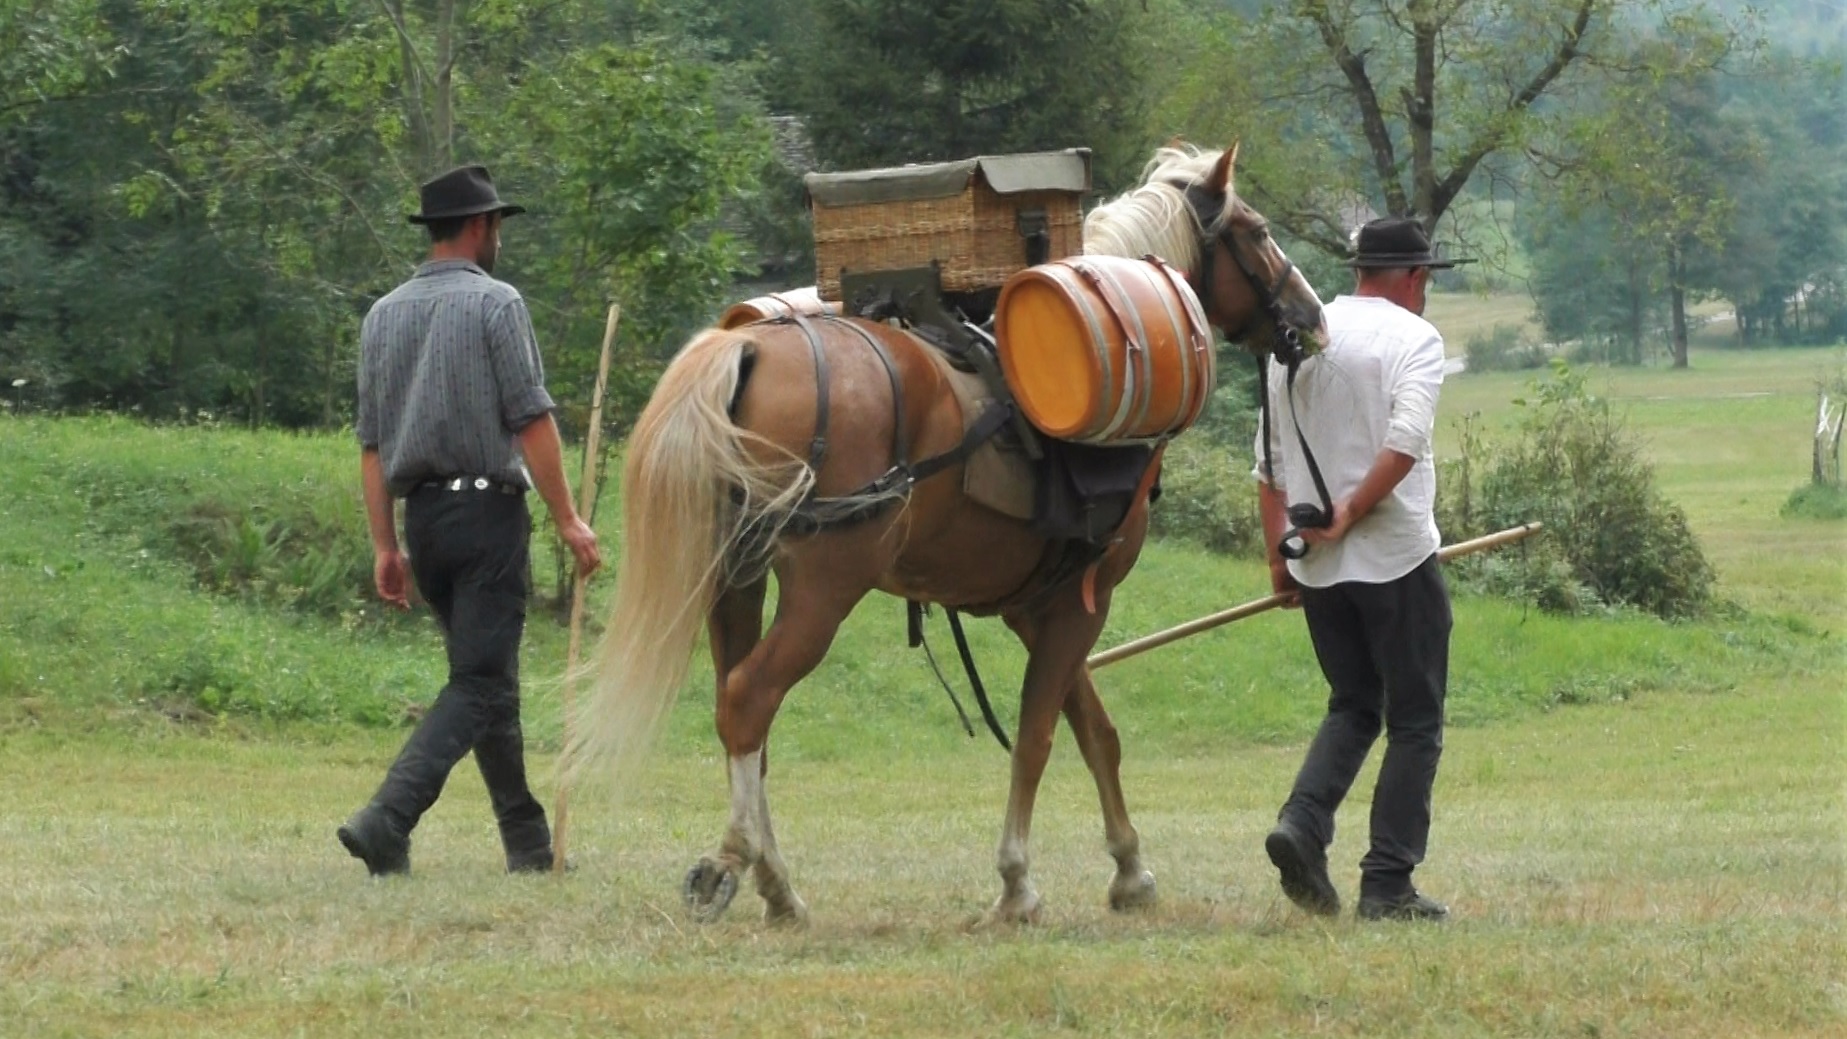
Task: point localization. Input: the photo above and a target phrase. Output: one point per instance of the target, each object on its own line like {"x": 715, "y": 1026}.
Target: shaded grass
{"x": 106, "y": 626}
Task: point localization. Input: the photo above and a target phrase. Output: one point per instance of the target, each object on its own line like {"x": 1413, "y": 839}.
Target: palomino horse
{"x": 723, "y": 460}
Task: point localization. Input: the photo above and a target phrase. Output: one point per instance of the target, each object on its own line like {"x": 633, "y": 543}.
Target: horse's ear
{"x": 1219, "y": 181}
{"x": 1177, "y": 142}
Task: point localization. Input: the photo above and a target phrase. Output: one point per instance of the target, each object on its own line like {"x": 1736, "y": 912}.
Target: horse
{"x": 727, "y": 453}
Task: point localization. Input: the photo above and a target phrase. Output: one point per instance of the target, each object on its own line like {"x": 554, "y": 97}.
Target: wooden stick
{"x": 1251, "y": 609}
{"x": 586, "y": 496}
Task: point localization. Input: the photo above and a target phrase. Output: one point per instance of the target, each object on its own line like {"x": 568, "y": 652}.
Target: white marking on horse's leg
{"x": 743, "y": 843}
{"x": 1018, "y": 902}
{"x": 781, "y": 903}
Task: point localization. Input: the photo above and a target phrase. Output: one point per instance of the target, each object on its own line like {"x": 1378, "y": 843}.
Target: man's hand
{"x": 1282, "y": 582}
{"x": 1343, "y": 515}
{"x": 581, "y": 540}
{"x": 391, "y": 572}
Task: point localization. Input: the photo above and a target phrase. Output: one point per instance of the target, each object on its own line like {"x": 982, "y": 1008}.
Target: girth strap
{"x": 817, "y": 448}
{"x": 900, "y": 435}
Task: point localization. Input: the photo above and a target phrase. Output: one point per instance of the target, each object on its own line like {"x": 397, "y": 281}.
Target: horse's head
{"x": 1187, "y": 212}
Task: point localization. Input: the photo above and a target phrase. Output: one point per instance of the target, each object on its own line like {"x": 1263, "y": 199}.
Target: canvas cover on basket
{"x": 979, "y": 220}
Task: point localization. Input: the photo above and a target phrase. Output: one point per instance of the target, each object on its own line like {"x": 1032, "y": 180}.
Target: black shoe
{"x": 1408, "y": 906}
{"x": 1304, "y": 868}
{"x": 534, "y": 860}
{"x": 372, "y": 837}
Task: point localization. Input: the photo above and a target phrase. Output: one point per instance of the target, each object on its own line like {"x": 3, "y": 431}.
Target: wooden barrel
{"x": 1105, "y": 348}
{"x": 777, "y": 304}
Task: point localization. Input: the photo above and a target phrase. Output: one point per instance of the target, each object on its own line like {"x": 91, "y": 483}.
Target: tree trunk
{"x": 329, "y": 361}
{"x": 411, "y": 66}
{"x": 1635, "y": 312}
{"x": 442, "y": 130}
{"x": 1420, "y": 113}
{"x": 1677, "y": 297}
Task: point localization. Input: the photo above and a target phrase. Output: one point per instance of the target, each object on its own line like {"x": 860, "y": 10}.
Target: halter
{"x": 1211, "y": 233}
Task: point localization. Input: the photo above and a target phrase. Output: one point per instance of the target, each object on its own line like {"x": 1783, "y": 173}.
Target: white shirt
{"x": 1374, "y": 387}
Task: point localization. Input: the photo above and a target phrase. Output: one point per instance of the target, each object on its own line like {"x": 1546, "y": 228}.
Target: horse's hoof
{"x": 792, "y": 913}
{"x": 1131, "y": 893}
{"x": 1013, "y": 912}
{"x": 708, "y": 890}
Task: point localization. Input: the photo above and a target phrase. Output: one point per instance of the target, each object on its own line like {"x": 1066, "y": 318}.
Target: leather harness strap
{"x": 817, "y": 448}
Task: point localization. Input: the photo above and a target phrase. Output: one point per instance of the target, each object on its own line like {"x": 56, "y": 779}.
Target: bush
{"x": 1505, "y": 349}
{"x": 1610, "y": 537}
{"x": 1816, "y": 501}
{"x": 1208, "y": 497}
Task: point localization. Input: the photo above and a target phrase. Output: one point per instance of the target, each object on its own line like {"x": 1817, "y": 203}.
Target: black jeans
{"x": 470, "y": 554}
{"x": 1385, "y": 651}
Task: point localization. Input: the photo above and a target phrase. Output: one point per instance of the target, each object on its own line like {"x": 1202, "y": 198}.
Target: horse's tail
{"x": 692, "y": 492}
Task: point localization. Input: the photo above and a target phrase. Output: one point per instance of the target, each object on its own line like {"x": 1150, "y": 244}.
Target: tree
{"x": 1591, "y": 280}
{"x": 1783, "y": 260}
{"x": 1397, "y": 106}
{"x": 1652, "y": 156}
{"x": 896, "y": 81}
{"x": 241, "y": 185}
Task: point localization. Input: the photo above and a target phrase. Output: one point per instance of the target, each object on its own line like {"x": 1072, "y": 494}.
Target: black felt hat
{"x": 1396, "y": 241}
{"x": 463, "y": 191}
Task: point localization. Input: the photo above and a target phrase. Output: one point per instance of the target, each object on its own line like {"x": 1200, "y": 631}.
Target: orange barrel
{"x": 777, "y": 304}
{"x": 1105, "y": 348}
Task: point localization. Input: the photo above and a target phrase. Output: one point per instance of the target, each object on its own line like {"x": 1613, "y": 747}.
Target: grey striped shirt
{"x": 449, "y": 373}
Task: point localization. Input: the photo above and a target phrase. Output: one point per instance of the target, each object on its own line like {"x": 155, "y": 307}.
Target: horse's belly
{"x": 972, "y": 558}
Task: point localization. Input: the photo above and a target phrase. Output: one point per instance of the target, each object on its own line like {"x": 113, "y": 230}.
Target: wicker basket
{"x": 975, "y": 219}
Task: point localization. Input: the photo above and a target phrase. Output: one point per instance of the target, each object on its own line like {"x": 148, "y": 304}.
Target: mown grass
{"x": 1669, "y": 866}
{"x": 1639, "y": 824}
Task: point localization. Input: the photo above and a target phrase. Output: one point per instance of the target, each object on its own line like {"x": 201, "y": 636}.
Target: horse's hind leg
{"x": 1133, "y": 887}
{"x": 753, "y": 678}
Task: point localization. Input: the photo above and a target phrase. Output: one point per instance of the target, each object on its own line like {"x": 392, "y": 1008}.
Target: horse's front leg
{"x": 1056, "y": 640}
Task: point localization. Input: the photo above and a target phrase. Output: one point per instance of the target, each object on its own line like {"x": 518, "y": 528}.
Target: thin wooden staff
{"x": 586, "y": 497}
{"x": 1251, "y": 609}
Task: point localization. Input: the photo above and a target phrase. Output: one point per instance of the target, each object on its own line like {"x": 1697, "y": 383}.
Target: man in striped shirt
{"x": 454, "y": 419}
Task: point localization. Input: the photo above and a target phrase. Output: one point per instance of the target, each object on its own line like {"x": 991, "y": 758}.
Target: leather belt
{"x": 471, "y": 483}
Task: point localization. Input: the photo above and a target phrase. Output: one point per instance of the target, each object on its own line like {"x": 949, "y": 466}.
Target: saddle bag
{"x": 1085, "y": 491}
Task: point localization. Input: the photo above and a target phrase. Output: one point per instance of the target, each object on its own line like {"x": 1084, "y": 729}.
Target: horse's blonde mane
{"x": 1153, "y": 218}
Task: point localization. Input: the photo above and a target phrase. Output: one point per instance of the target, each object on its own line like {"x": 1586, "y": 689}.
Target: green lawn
{"x": 1639, "y": 825}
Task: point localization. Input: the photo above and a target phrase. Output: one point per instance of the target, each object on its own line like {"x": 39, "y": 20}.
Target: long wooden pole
{"x": 586, "y": 496}
{"x": 1251, "y": 609}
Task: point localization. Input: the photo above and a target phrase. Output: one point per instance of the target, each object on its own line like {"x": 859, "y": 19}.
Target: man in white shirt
{"x": 1347, "y": 489}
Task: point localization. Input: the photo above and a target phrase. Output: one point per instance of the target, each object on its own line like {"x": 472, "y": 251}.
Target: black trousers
{"x": 470, "y": 554}
{"x": 1385, "y": 651}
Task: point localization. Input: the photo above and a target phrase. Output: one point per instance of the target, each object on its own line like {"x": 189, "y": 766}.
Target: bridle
{"x": 1214, "y": 231}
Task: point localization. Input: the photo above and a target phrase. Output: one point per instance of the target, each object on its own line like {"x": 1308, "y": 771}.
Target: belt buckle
{"x": 480, "y": 483}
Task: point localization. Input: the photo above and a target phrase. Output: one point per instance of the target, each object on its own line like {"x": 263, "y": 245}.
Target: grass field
{"x": 1640, "y": 825}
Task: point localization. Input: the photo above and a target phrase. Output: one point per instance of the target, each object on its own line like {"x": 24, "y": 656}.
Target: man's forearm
{"x": 545, "y": 459}
{"x": 1388, "y": 470}
{"x": 381, "y": 510}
